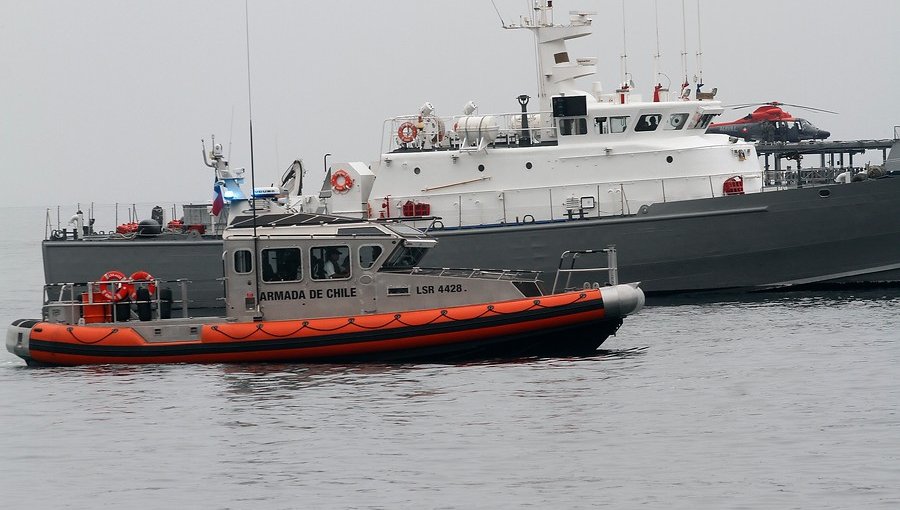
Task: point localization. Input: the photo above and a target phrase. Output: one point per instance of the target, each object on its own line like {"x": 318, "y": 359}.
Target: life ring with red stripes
{"x": 341, "y": 181}
{"x": 113, "y": 287}
{"x": 407, "y": 132}
{"x": 142, "y": 277}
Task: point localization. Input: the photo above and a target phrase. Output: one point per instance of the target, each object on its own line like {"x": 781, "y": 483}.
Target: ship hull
{"x": 574, "y": 323}
{"x": 839, "y": 234}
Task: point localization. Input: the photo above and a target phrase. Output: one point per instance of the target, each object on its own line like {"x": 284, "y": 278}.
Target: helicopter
{"x": 769, "y": 123}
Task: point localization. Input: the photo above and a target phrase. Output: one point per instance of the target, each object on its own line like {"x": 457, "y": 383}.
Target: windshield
{"x": 404, "y": 257}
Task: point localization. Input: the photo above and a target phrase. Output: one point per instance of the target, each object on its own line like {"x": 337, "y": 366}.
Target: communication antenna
{"x": 699, "y": 50}
{"x": 230, "y": 133}
{"x": 685, "y": 83}
{"x": 252, "y": 168}
{"x": 624, "y": 58}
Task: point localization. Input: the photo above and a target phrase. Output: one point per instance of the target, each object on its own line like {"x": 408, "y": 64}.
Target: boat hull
{"x": 839, "y": 234}
{"x": 574, "y": 323}
{"x": 811, "y": 236}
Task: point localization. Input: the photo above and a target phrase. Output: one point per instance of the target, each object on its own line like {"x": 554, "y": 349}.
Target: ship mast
{"x": 556, "y": 71}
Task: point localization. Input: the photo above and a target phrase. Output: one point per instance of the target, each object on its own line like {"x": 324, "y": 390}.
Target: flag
{"x": 218, "y": 199}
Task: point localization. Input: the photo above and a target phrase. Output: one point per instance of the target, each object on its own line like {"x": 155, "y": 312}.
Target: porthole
{"x": 528, "y": 165}
{"x": 481, "y": 168}
{"x": 417, "y": 170}
{"x": 669, "y": 159}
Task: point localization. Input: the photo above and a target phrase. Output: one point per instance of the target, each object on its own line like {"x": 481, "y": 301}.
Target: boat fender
{"x": 407, "y": 132}
{"x": 341, "y": 181}
{"x": 112, "y": 286}
{"x": 143, "y": 277}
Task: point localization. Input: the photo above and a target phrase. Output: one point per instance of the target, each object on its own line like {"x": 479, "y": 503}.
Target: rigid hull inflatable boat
{"x": 305, "y": 287}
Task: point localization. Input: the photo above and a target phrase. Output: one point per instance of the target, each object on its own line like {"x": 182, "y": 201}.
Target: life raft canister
{"x": 341, "y": 181}
{"x": 113, "y": 287}
{"x": 142, "y": 277}
{"x": 407, "y": 132}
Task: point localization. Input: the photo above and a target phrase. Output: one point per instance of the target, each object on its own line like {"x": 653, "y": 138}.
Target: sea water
{"x": 777, "y": 401}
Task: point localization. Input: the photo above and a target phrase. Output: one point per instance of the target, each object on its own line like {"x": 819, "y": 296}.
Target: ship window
{"x": 330, "y": 262}
{"x": 573, "y": 126}
{"x": 561, "y": 57}
{"x": 618, "y": 124}
{"x": 404, "y": 257}
{"x": 368, "y": 255}
{"x": 648, "y": 122}
{"x": 601, "y": 126}
{"x": 243, "y": 262}
{"x": 281, "y": 265}
{"x": 676, "y": 121}
{"x": 704, "y": 121}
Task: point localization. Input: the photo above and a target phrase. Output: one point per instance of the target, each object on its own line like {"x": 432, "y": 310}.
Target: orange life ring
{"x": 142, "y": 277}
{"x": 112, "y": 286}
{"x": 341, "y": 181}
{"x": 407, "y": 132}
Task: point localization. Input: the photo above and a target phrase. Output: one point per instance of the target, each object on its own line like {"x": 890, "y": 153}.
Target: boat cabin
{"x": 308, "y": 265}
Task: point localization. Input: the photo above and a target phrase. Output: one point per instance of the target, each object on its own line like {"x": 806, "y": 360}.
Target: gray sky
{"x": 107, "y": 101}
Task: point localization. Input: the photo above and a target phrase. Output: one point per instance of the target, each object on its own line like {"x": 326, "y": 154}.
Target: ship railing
{"x": 519, "y": 206}
{"x": 513, "y": 275}
{"x": 500, "y": 130}
{"x": 813, "y": 176}
{"x": 567, "y": 268}
{"x": 81, "y": 302}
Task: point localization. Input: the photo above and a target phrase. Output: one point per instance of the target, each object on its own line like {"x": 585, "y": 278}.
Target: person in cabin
{"x": 333, "y": 267}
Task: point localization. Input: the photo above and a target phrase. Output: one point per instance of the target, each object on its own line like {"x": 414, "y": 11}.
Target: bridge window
{"x": 243, "y": 262}
{"x": 573, "y": 126}
{"x": 281, "y": 265}
{"x": 404, "y": 258}
{"x": 704, "y": 121}
{"x": 329, "y": 262}
{"x": 368, "y": 255}
{"x": 618, "y": 124}
{"x": 676, "y": 121}
{"x": 601, "y": 126}
{"x": 648, "y": 122}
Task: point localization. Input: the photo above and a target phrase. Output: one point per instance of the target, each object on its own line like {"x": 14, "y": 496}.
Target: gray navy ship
{"x": 687, "y": 211}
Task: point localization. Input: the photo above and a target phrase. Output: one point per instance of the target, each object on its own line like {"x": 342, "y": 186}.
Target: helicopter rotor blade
{"x": 809, "y": 108}
{"x": 777, "y": 104}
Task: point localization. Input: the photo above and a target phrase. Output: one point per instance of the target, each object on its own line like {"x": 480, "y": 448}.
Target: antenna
{"x": 699, "y": 50}
{"x": 252, "y": 167}
{"x": 231, "y": 133}
{"x": 624, "y": 57}
{"x": 502, "y": 23}
{"x": 684, "y": 69}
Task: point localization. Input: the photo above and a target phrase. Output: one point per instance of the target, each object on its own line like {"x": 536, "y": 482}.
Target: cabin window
{"x": 648, "y": 122}
{"x": 281, "y": 265}
{"x": 601, "y": 126}
{"x": 243, "y": 262}
{"x": 704, "y": 121}
{"x": 561, "y": 57}
{"x": 618, "y": 124}
{"x": 368, "y": 255}
{"x": 404, "y": 257}
{"x": 676, "y": 121}
{"x": 573, "y": 126}
{"x": 329, "y": 262}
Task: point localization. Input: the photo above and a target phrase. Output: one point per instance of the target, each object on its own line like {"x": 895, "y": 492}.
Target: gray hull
{"x": 843, "y": 233}
{"x": 846, "y": 233}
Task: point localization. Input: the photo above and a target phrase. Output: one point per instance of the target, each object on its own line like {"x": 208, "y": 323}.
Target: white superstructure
{"x": 583, "y": 154}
